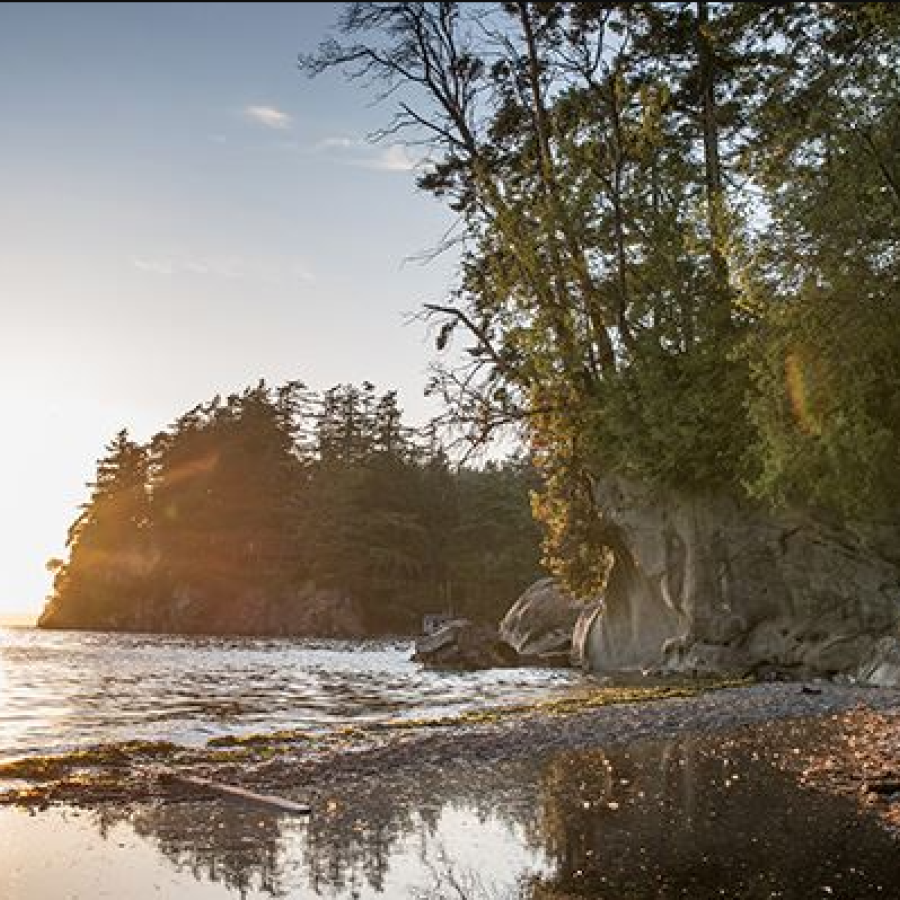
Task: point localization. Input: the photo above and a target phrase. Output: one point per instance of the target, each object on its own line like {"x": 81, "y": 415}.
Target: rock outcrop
{"x": 462, "y": 644}
{"x": 305, "y": 612}
{"x": 540, "y": 623}
{"x": 711, "y": 585}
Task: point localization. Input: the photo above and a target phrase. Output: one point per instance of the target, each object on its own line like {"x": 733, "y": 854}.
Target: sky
{"x": 182, "y": 213}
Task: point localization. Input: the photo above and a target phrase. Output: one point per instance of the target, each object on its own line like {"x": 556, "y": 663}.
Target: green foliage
{"x": 221, "y": 486}
{"x": 494, "y": 540}
{"x": 245, "y": 502}
{"x": 677, "y": 419}
{"x": 680, "y": 264}
{"x": 681, "y": 260}
{"x": 824, "y": 281}
{"x": 826, "y": 404}
{"x": 109, "y": 547}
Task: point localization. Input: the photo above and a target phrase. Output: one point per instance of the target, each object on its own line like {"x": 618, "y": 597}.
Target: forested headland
{"x": 251, "y": 511}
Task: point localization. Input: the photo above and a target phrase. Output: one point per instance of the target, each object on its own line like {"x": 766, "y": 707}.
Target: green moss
{"x": 38, "y": 768}
{"x": 246, "y": 748}
{"x": 50, "y": 767}
{"x": 261, "y": 739}
{"x": 572, "y": 705}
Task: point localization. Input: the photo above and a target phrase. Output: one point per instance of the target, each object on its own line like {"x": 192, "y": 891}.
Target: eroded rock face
{"x": 710, "y": 585}
{"x": 304, "y": 612}
{"x": 540, "y": 623}
{"x": 462, "y": 644}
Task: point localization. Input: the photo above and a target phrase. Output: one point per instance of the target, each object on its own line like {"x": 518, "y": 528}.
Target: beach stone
{"x": 708, "y": 584}
{"x": 462, "y": 644}
{"x": 539, "y": 625}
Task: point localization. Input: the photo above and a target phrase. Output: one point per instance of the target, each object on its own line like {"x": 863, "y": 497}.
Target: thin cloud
{"x": 268, "y": 116}
{"x": 395, "y": 158}
{"x": 153, "y": 266}
{"x": 353, "y": 151}
{"x": 228, "y": 268}
{"x": 338, "y": 142}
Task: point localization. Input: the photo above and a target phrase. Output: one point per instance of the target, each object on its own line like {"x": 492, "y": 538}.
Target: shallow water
{"x": 65, "y": 689}
{"x": 695, "y": 818}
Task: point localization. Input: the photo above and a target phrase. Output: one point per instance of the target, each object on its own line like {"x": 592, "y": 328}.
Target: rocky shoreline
{"x": 310, "y": 768}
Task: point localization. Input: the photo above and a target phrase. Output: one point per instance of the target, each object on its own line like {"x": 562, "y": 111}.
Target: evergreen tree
{"x": 101, "y": 584}
{"x": 246, "y": 502}
{"x": 680, "y": 256}
{"x": 223, "y": 483}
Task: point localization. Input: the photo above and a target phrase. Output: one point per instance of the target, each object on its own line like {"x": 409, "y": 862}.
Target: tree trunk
{"x": 715, "y": 197}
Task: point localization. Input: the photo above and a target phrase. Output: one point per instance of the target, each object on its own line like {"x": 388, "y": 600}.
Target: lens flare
{"x": 797, "y": 379}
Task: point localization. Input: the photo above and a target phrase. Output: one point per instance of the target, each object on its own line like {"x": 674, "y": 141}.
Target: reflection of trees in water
{"x": 252, "y": 850}
{"x": 682, "y": 819}
{"x": 356, "y": 828}
{"x": 238, "y": 846}
{"x": 350, "y": 842}
{"x": 599, "y": 810}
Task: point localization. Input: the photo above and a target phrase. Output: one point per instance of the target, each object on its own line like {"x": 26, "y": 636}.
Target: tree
{"x": 648, "y": 270}
{"x": 245, "y": 502}
{"x": 224, "y": 479}
{"x": 109, "y": 553}
{"x": 825, "y": 276}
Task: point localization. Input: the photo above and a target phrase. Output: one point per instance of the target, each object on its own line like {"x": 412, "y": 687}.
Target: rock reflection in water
{"x": 720, "y": 817}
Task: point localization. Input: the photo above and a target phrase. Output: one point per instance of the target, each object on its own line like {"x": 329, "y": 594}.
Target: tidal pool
{"x": 720, "y": 816}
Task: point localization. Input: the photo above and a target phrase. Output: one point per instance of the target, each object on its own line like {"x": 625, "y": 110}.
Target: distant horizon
{"x": 18, "y": 619}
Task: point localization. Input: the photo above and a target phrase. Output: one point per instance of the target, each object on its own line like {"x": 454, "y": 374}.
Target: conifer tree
{"x": 101, "y": 584}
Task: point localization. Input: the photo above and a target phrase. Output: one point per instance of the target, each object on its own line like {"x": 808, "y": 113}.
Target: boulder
{"x": 708, "y": 584}
{"x": 540, "y": 623}
{"x": 462, "y": 644}
{"x": 881, "y": 668}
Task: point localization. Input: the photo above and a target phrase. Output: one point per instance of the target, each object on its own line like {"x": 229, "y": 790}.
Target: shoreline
{"x": 303, "y": 767}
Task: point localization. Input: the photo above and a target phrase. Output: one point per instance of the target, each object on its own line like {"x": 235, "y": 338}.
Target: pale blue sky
{"x": 183, "y": 213}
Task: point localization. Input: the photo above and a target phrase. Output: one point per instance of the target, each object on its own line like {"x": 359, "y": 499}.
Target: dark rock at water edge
{"x": 462, "y": 644}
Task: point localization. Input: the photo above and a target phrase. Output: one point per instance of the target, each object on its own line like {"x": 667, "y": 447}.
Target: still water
{"x": 60, "y": 690}
{"x": 713, "y": 817}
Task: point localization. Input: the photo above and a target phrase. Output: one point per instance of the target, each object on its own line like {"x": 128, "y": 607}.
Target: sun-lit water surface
{"x": 64, "y": 689}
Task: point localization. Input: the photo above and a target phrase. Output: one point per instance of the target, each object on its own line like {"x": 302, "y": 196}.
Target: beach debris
{"x": 282, "y": 804}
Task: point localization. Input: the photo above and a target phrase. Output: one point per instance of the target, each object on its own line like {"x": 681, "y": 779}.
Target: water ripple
{"x": 65, "y": 689}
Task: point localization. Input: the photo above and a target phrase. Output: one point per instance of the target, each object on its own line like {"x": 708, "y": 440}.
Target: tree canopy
{"x": 253, "y": 498}
{"x": 679, "y": 255}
